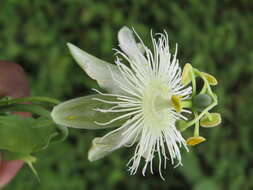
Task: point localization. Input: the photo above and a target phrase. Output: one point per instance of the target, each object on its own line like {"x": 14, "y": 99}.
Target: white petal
{"x": 129, "y": 45}
{"x": 102, "y": 146}
{"x": 97, "y": 69}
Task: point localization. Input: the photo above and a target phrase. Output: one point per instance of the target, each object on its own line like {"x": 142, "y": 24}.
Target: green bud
{"x": 201, "y": 101}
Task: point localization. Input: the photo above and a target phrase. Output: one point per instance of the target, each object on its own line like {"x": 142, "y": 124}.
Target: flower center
{"x": 156, "y": 102}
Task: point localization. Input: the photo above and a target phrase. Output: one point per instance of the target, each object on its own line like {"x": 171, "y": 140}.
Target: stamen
{"x": 152, "y": 136}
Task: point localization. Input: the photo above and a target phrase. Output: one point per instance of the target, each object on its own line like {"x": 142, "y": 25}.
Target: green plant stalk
{"x": 203, "y": 90}
{"x": 32, "y": 99}
{"x": 209, "y": 90}
{"x": 209, "y": 116}
{"x": 34, "y": 109}
{"x": 200, "y": 116}
{"x": 196, "y": 129}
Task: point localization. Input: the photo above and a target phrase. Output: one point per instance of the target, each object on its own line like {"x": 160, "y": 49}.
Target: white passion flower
{"x": 143, "y": 89}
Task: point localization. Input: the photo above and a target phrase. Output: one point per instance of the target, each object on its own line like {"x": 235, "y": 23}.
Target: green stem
{"x": 199, "y": 116}
{"x": 206, "y": 110}
{"x": 32, "y": 99}
{"x": 196, "y": 129}
{"x": 206, "y": 83}
{"x": 209, "y": 116}
{"x": 203, "y": 90}
{"x": 34, "y": 109}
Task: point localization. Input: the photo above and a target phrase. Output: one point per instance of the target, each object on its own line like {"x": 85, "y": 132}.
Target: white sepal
{"x": 102, "y": 146}
{"x": 97, "y": 69}
{"x": 129, "y": 45}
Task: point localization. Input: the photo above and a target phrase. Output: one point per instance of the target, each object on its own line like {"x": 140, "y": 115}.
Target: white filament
{"x": 149, "y": 82}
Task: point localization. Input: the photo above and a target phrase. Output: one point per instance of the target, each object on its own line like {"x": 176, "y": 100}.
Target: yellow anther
{"x": 213, "y": 120}
{"x": 186, "y": 79}
{"x": 210, "y": 78}
{"x": 192, "y": 141}
{"x": 176, "y": 102}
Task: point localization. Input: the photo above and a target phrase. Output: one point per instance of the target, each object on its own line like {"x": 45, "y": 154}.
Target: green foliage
{"x": 214, "y": 36}
{"x": 25, "y": 135}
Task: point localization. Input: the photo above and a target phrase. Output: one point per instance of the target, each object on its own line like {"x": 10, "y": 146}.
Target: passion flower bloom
{"x": 144, "y": 87}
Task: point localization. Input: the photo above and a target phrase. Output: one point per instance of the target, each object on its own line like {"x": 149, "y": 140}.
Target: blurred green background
{"x": 213, "y": 35}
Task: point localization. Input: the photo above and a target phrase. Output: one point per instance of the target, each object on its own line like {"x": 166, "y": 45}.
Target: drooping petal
{"x": 97, "y": 69}
{"x": 102, "y": 146}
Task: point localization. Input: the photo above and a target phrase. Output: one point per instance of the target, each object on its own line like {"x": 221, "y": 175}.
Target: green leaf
{"x": 28, "y": 159}
{"x": 9, "y": 156}
{"x": 81, "y": 113}
{"x": 26, "y": 135}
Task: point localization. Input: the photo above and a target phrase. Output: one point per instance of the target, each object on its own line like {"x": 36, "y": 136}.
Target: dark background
{"x": 213, "y": 35}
